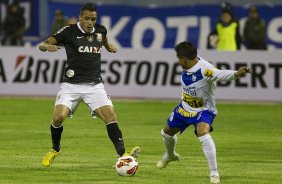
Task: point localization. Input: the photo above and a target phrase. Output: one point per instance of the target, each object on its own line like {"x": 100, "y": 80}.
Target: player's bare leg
{"x": 56, "y": 127}
{"x": 107, "y": 114}
{"x": 209, "y": 150}
{"x": 170, "y": 140}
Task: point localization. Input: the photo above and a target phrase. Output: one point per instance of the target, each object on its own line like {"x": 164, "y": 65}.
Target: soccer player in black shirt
{"x": 82, "y": 81}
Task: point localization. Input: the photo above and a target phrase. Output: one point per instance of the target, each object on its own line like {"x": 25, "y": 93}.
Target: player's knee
{"x": 58, "y": 119}
{"x": 166, "y": 132}
{"x": 110, "y": 116}
{"x": 165, "y": 135}
{"x": 107, "y": 114}
{"x": 202, "y": 132}
{"x": 203, "y": 129}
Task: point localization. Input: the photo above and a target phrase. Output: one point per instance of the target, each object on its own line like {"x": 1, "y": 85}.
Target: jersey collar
{"x": 80, "y": 28}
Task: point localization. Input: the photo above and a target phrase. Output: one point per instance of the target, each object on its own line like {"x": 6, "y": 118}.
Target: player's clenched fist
{"x": 47, "y": 47}
{"x": 243, "y": 71}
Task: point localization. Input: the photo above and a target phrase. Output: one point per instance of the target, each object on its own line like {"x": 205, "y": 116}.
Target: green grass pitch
{"x": 248, "y": 139}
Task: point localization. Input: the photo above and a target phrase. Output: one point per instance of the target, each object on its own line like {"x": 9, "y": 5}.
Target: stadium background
{"x": 140, "y": 27}
{"x": 39, "y": 24}
{"x": 247, "y": 129}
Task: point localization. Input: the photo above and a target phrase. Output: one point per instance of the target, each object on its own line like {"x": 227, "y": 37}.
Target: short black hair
{"x": 186, "y": 49}
{"x": 89, "y": 7}
{"x": 223, "y": 11}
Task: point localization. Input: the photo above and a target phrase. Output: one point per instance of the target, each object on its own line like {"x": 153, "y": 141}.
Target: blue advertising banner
{"x": 163, "y": 27}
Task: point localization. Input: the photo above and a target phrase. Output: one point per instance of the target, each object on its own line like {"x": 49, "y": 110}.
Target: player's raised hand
{"x": 243, "y": 71}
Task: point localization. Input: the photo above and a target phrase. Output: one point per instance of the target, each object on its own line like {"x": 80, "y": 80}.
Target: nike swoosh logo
{"x": 120, "y": 139}
{"x": 78, "y": 37}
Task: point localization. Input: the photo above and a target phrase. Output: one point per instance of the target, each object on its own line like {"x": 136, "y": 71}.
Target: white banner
{"x": 141, "y": 73}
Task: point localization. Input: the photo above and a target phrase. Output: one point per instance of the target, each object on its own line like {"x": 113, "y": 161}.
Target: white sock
{"x": 210, "y": 153}
{"x": 170, "y": 143}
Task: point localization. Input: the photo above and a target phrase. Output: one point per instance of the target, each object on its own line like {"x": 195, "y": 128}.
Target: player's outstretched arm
{"x": 108, "y": 46}
{"x": 49, "y": 45}
{"x": 242, "y": 72}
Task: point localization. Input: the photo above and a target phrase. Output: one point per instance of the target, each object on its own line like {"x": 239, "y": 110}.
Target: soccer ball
{"x": 126, "y": 166}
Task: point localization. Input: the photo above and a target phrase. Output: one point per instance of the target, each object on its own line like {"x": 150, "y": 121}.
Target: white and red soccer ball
{"x": 126, "y": 166}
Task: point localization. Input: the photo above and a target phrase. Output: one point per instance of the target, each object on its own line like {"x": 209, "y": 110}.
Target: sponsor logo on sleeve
{"x": 208, "y": 73}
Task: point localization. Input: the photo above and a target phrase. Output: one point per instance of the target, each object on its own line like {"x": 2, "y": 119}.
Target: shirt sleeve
{"x": 101, "y": 29}
{"x": 213, "y": 74}
{"x": 61, "y": 35}
{"x": 104, "y": 32}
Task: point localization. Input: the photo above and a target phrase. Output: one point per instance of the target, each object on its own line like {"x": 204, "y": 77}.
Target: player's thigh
{"x": 170, "y": 131}
{"x": 70, "y": 96}
{"x": 97, "y": 98}
{"x": 204, "y": 123}
{"x": 178, "y": 120}
{"x": 106, "y": 113}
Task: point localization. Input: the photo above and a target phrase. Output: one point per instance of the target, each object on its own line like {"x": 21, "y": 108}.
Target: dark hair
{"x": 253, "y": 9}
{"x": 89, "y": 7}
{"x": 223, "y": 11}
{"x": 186, "y": 49}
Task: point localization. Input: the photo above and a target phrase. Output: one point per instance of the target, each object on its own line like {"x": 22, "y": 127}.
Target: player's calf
{"x": 116, "y": 137}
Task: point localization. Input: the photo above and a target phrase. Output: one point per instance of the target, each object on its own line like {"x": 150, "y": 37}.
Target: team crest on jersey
{"x": 90, "y": 38}
{"x": 99, "y": 37}
{"x": 194, "y": 78}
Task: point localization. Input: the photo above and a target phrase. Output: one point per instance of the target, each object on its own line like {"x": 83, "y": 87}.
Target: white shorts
{"x": 94, "y": 96}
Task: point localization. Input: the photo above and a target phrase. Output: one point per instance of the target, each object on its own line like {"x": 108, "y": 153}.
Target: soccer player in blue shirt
{"x": 197, "y": 106}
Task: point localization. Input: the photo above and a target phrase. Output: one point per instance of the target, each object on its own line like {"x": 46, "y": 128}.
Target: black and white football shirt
{"x": 83, "y": 52}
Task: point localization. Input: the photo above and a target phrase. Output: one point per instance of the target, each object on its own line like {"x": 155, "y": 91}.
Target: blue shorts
{"x": 181, "y": 118}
